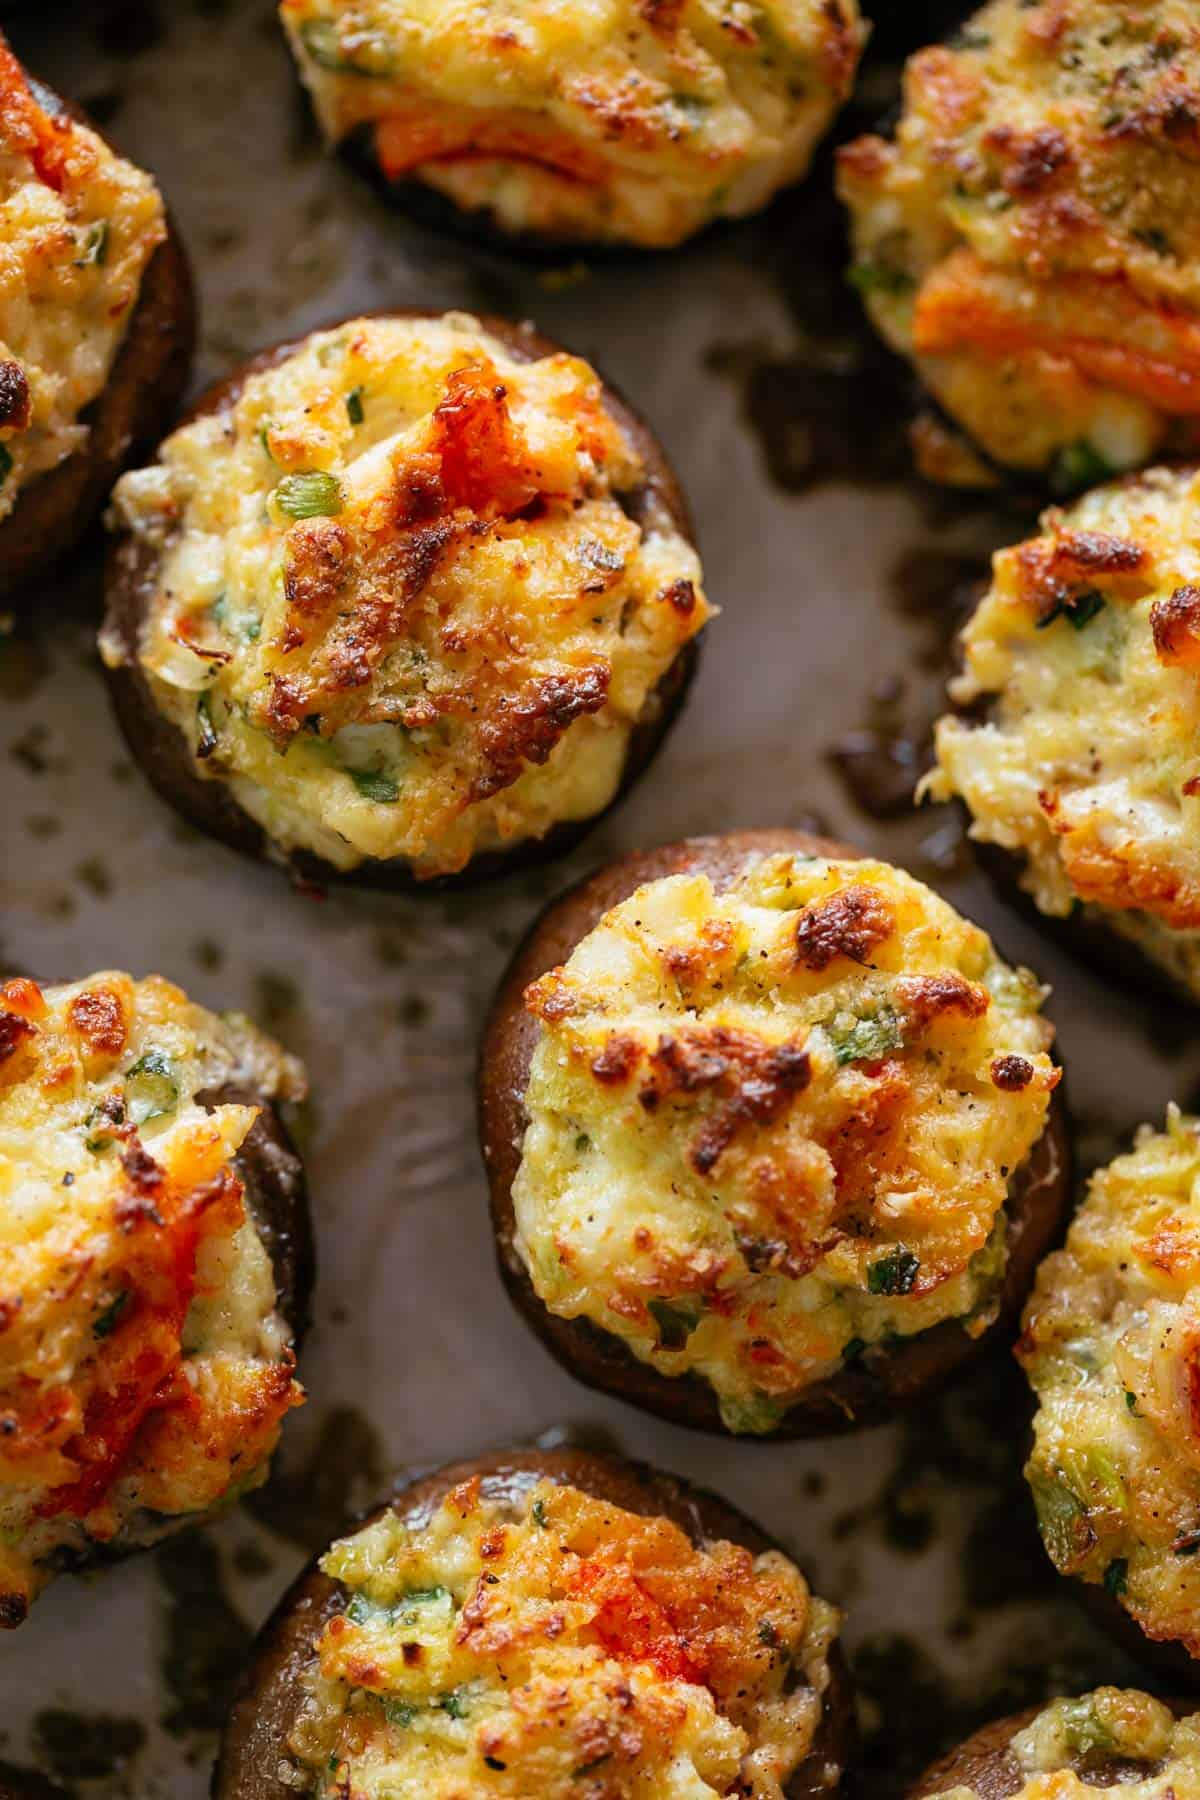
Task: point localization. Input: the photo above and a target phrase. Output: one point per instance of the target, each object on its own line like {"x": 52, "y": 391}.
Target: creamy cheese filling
{"x": 1068, "y": 1751}
{"x": 1087, "y": 655}
{"x": 1030, "y": 237}
{"x": 144, "y": 1368}
{"x": 78, "y": 226}
{"x": 627, "y": 120}
{"x": 414, "y": 597}
{"x": 525, "y": 1636}
{"x": 1112, "y": 1347}
{"x": 772, "y": 1127}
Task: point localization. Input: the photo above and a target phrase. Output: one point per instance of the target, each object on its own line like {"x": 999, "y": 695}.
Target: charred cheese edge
{"x": 526, "y": 1635}
{"x": 624, "y": 120}
{"x": 1068, "y": 1751}
{"x": 1030, "y": 239}
{"x": 401, "y": 608}
{"x": 144, "y": 1368}
{"x": 1086, "y": 654}
{"x": 78, "y": 226}
{"x": 1111, "y": 1346}
{"x": 773, "y": 1127}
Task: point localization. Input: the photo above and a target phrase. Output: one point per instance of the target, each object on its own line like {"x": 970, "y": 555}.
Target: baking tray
{"x": 840, "y": 583}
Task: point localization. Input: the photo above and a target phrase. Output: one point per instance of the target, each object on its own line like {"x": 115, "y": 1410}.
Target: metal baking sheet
{"x": 840, "y": 583}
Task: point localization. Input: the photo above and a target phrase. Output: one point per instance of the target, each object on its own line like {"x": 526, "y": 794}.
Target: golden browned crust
{"x": 143, "y": 392}
{"x": 163, "y": 753}
{"x": 864, "y": 1393}
{"x": 264, "y": 1712}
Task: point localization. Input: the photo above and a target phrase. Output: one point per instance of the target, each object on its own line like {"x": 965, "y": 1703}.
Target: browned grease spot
{"x": 207, "y": 1640}
{"x": 77, "y": 1746}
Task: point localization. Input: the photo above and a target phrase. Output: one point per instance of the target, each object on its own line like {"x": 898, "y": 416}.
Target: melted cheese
{"x": 1088, "y": 655}
{"x": 1068, "y": 1751}
{"x": 144, "y": 1368}
{"x": 623, "y": 120}
{"x": 773, "y": 1126}
{"x": 521, "y": 1640}
{"x": 1112, "y": 1347}
{"x": 1031, "y": 240}
{"x": 450, "y": 651}
{"x": 78, "y": 226}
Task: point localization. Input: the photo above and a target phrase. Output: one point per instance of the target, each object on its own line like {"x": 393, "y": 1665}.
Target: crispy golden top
{"x": 414, "y": 592}
{"x": 1087, "y": 649}
{"x": 635, "y": 120}
{"x": 1033, "y": 227}
{"x": 1112, "y": 1348}
{"x": 772, "y": 1126}
{"x": 530, "y": 1639}
{"x": 142, "y": 1362}
{"x": 77, "y": 227}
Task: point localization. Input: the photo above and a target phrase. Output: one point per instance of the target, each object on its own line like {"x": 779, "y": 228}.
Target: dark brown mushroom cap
{"x": 866, "y": 1392}
{"x": 251, "y": 1764}
{"x": 161, "y": 749}
{"x": 985, "y": 1762}
{"x": 144, "y": 388}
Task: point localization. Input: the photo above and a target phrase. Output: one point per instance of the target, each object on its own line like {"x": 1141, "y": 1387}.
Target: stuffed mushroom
{"x": 1111, "y": 1346}
{"x": 637, "y": 122}
{"x": 404, "y": 600}
{"x": 771, "y": 1132}
{"x": 1074, "y": 749}
{"x": 1030, "y": 237}
{"x": 1111, "y": 1738}
{"x": 96, "y": 321}
{"x": 550, "y": 1622}
{"x": 155, "y": 1266}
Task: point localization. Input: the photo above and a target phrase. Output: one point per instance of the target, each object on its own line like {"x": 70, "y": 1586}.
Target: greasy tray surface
{"x": 744, "y": 354}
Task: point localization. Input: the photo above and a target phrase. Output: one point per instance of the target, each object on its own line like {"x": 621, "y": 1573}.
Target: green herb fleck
{"x": 879, "y": 278}
{"x": 455, "y": 1703}
{"x": 675, "y": 1323}
{"x": 1082, "y": 1730}
{"x": 540, "y": 1515}
{"x": 151, "y": 1088}
{"x": 206, "y": 732}
{"x": 106, "y": 1324}
{"x": 895, "y": 1273}
{"x": 1116, "y": 1576}
{"x": 854, "y": 1350}
{"x": 372, "y": 786}
{"x": 767, "y": 1633}
{"x": 1078, "y": 609}
{"x": 313, "y": 495}
{"x": 354, "y": 406}
{"x": 1131, "y": 1402}
{"x": 94, "y": 248}
{"x": 1079, "y": 466}
{"x": 867, "y": 1039}
{"x": 399, "y": 1712}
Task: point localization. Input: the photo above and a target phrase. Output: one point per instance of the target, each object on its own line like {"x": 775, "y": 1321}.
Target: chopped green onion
{"x": 867, "y": 1039}
{"x": 321, "y": 41}
{"x": 894, "y": 1274}
{"x": 94, "y": 248}
{"x": 1116, "y": 1577}
{"x": 354, "y": 406}
{"x": 380, "y": 788}
{"x": 540, "y": 1516}
{"x": 107, "y": 1322}
{"x": 399, "y": 1712}
{"x": 455, "y": 1703}
{"x": 1079, "y": 609}
{"x": 313, "y": 495}
{"x": 675, "y": 1323}
{"x": 151, "y": 1088}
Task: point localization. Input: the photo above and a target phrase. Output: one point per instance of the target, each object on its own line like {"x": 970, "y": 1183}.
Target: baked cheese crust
{"x": 402, "y": 607}
{"x": 772, "y": 1127}
{"x": 1031, "y": 240}
{"x": 1086, "y": 652}
{"x": 632, "y": 121}
{"x": 1111, "y": 1345}
{"x": 144, "y": 1369}
{"x": 537, "y": 1640}
{"x": 78, "y": 225}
